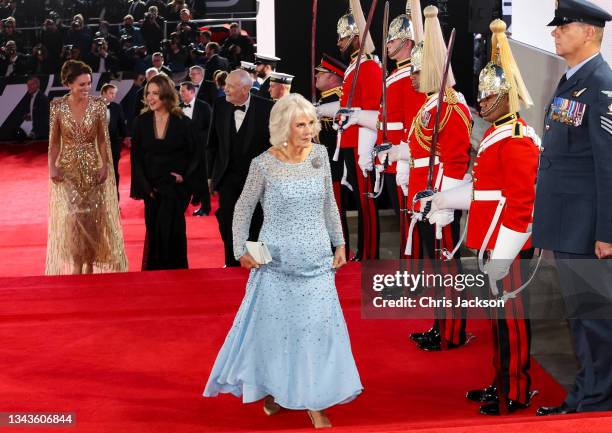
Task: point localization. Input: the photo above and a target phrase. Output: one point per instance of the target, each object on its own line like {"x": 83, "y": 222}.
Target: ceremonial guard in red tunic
{"x": 450, "y": 166}
{"x": 357, "y": 133}
{"x": 402, "y": 104}
{"x": 500, "y": 201}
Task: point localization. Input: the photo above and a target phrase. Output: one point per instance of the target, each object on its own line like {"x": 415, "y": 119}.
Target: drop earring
{"x": 284, "y": 144}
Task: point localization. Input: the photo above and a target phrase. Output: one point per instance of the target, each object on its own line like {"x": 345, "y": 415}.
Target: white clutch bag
{"x": 259, "y": 251}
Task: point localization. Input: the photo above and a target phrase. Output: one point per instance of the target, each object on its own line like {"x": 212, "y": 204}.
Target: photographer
{"x": 136, "y": 8}
{"x": 237, "y": 47}
{"x": 132, "y": 57}
{"x": 197, "y": 55}
{"x": 173, "y": 10}
{"x": 151, "y": 31}
{"x": 70, "y": 52}
{"x": 175, "y": 54}
{"x": 130, "y": 30}
{"x": 99, "y": 58}
{"x": 12, "y": 63}
{"x": 40, "y": 63}
{"x": 186, "y": 28}
{"x": 111, "y": 40}
{"x": 79, "y": 35}
{"x": 9, "y": 33}
{"x": 52, "y": 40}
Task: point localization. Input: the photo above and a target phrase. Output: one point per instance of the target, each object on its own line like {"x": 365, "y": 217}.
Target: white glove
{"x": 441, "y": 217}
{"x": 367, "y": 140}
{"x": 397, "y": 152}
{"x": 366, "y": 118}
{"x": 457, "y": 195}
{"x": 508, "y": 245}
{"x": 328, "y": 110}
{"x": 403, "y": 175}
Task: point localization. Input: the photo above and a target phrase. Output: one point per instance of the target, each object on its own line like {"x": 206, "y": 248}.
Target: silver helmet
{"x": 492, "y": 81}
{"x": 347, "y": 26}
{"x": 417, "y": 57}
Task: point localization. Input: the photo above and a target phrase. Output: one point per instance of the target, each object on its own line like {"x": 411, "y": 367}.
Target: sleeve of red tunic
{"x": 455, "y": 142}
{"x": 519, "y": 168}
{"x": 369, "y": 86}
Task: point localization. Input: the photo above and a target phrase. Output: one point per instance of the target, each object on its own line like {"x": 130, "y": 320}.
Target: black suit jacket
{"x": 264, "y": 89}
{"x": 257, "y": 135}
{"x": 214, "y": 64}
{"x": 201, "y": 120}
{"x": 116, "y": 126}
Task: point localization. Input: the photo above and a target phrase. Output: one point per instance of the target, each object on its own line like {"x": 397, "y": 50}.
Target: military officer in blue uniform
{"x": 573, "y": 206}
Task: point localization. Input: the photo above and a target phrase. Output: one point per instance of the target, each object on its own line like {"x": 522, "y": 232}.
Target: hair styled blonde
{"x": 284, "y": 112}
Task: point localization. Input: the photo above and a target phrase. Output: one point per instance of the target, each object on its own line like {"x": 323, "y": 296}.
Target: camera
{"x": 193, "y": 48}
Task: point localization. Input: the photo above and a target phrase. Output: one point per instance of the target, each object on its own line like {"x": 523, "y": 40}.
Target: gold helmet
{"x": 501, "y": 76}
{"x": 434, "y": 54}
{"x": 408, "y": 26}
{"x": 416, "y": 60}
{"x": 352, "y": 24}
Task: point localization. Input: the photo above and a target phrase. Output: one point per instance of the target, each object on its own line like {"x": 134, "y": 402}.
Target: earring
{"x": 285, "y": 144}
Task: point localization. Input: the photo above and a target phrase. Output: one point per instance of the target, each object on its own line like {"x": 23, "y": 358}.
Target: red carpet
{"x": 131, "y": 353}
{"x": 24, "y": 188}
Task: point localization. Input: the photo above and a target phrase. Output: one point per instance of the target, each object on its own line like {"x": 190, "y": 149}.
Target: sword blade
{"x": 349, "y": 102}
{"x": 436, "y": 130}
{"x": 313, "y": 44}
{"x": 384, "y": 72}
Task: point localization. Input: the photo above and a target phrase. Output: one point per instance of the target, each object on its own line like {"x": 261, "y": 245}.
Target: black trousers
{"x": 229, "y": 193}
{"x": 116, "y": 155}
{"x": 582, "y": 287}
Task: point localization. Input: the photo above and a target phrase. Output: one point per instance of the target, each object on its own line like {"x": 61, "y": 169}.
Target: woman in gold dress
{"x": 84, "y": 228}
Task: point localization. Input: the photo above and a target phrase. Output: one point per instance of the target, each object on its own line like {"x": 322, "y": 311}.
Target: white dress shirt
{"x": 188, "y": 111}
{"x": 239, "y": 115}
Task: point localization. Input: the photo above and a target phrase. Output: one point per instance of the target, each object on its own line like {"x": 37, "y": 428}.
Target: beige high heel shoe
{"x": 319, "y": 419}
{"x": 270, "y": 407}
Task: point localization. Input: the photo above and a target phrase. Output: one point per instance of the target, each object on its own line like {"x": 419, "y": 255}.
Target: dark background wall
{"x": 293, "y": 34}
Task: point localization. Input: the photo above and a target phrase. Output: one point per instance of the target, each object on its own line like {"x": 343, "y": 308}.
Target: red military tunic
{"x": 453, "y": 147}
{"x": 403, "y": 103}
{"x": 507, "y": 162}
{"x": 367, "y": 93}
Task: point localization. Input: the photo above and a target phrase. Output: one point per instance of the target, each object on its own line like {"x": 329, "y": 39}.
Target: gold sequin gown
{"x": 84, "y": 224}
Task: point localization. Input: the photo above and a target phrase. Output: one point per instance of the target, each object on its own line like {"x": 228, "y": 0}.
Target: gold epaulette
{"x": 450, "y": 96}
{"x": 334, "y": 91}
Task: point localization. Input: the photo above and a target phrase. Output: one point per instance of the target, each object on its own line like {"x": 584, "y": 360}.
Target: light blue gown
{"x": 289, "y": 338}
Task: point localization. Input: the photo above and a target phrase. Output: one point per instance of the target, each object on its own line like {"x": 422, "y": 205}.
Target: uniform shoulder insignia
{"x": 450, "y": 97}
{"x": 517, "y": 132}
{"x": 608, "y": 93}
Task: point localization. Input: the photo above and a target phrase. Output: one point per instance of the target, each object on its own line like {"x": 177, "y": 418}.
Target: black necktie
{"x": 185, "y": 105}
{"x": 562, "y": 80}
{"x": 240, "y": 107}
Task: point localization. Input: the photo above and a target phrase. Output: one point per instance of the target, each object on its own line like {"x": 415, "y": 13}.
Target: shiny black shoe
{"x": 555, "y": 410}
{"x": 419, "y": 337}
{"x": 200, "y": 212}
{"x": 484, "y": 395}
{"x": 493, "y": 408}
{"x": 436, "y": 346}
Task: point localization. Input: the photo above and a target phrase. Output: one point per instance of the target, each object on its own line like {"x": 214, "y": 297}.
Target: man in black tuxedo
{"x": 117, "y": 130}
{"x": 34, "y": 108}
{"x": 238, "y": 133}
{"x": 199, "y": 112}
{"x": 196, "y": 76}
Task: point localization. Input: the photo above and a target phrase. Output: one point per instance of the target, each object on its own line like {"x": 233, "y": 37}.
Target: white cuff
{"x": 459, "y": 197}
{"x": 329, "y": 109}
{"x": 403, "y": 166}
{"x": 449, "y": 183}
{"x": 367, "y": 118}
{"x": 509, "y": 243}
{"x": 367, "y": 140}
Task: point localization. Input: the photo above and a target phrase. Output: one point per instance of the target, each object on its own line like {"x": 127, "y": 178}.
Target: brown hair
{"x": 167, "y": 94}
{"x": 220, "y": 77}
{"x": 71, "y": 69}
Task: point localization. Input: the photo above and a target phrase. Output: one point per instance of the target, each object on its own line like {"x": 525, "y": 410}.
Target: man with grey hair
{"x": 238, "y": 133}
{"x": 572, "y": 213}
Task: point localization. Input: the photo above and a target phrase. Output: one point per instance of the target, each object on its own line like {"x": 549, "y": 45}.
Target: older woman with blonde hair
{"x": 289, "y": 344}
{"x": 166, "y": 172}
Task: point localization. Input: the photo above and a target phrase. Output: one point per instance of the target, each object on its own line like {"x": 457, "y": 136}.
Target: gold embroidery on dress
{"x": 84, "y": 225}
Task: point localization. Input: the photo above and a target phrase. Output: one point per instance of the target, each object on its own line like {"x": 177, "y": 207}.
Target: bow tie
{"x": 240, "y": 107}
{"x": 185, "y": 105}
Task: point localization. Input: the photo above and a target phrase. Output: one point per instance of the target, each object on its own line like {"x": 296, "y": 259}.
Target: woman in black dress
{"x": 167, "y": 170}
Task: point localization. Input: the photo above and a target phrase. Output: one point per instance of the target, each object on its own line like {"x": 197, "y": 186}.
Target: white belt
{"x": 391, "y": 126}
{"x": 422, "y": 162}
{"x": 339, "y": 139}
{"x": 487, "y": 195}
